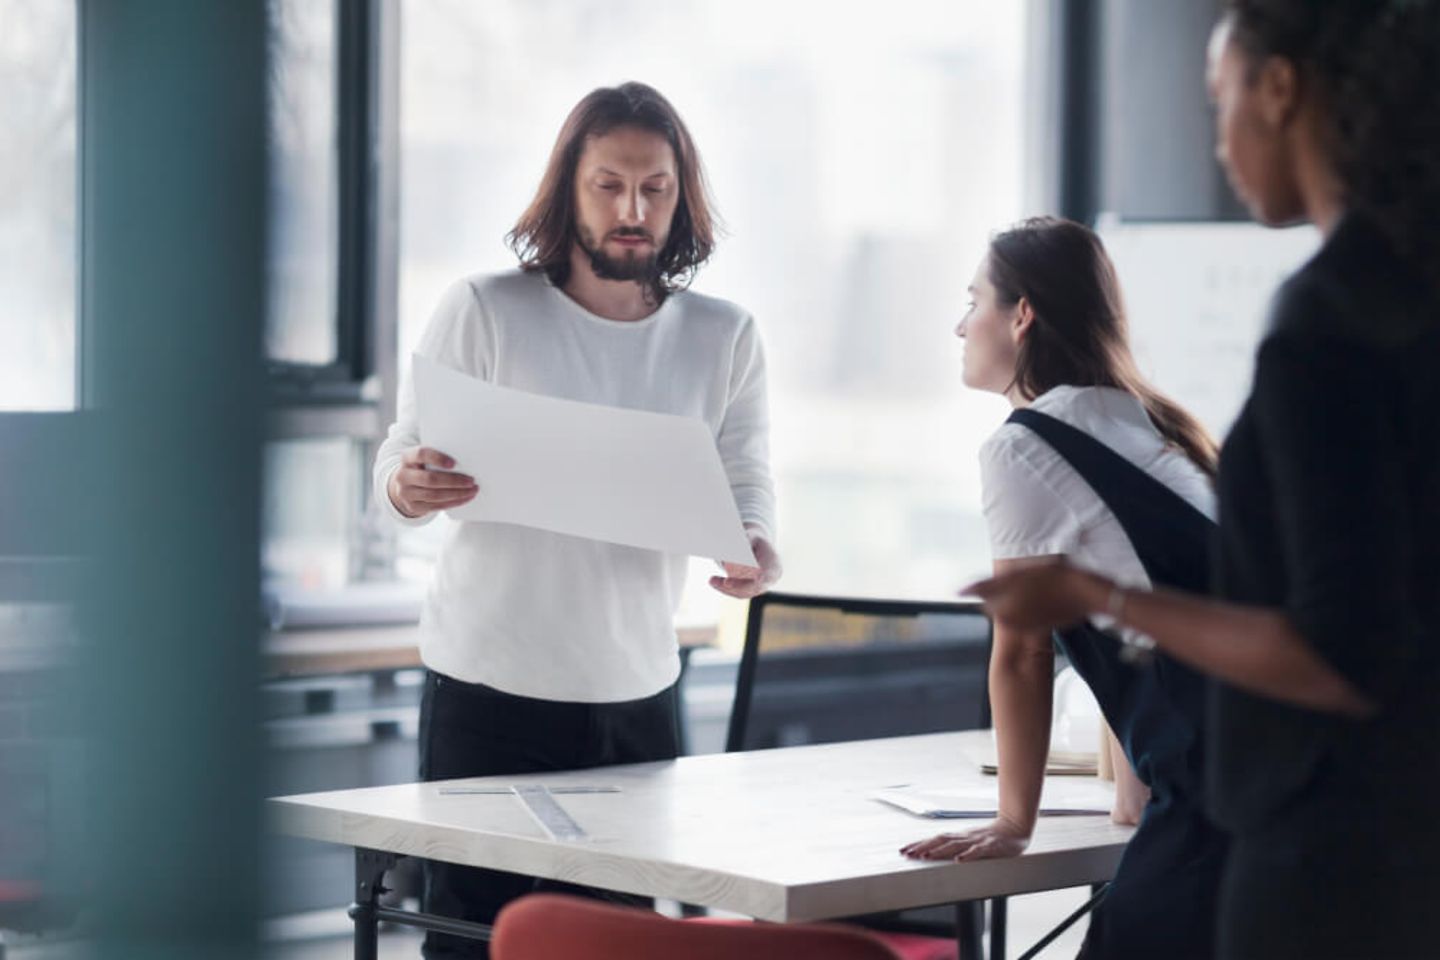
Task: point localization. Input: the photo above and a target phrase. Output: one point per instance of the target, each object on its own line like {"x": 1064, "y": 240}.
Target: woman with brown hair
{"x": 1324, "y": 630}
{"x": 1095, "y": 467}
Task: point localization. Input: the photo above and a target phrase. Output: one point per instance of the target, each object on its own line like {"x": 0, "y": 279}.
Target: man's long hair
{"x": 545, "y": 233}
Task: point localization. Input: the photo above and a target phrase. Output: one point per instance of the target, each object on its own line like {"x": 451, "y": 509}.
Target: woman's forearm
{"x": 1021, "y": 687}
{"x": 1254, "y": 649}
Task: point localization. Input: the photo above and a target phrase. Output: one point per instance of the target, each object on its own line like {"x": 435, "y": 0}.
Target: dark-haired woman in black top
{"x": 1325, "y": 629}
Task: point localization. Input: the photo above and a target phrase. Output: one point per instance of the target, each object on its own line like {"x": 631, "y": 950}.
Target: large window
{"x": 323, "y": 310}
{"x": 37, "y": 205}
{"x": 859, "y": 153}
{"x": 301, "y": 324}
{"x": 312, "y": 498}
{"x": 39, "y": 438}
{"x": 39, "y": 387}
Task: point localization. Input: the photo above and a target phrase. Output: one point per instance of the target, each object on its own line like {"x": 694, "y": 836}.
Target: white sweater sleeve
{"x": 744, "y": 438}
{"x": 454, "y": 338}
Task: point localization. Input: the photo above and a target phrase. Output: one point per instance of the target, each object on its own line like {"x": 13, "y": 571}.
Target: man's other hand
{"x": 416, "y": 490}
{"x": 743, "y": 582}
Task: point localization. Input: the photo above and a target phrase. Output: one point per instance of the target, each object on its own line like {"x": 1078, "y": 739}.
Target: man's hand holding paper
{"x": 743, "y": 582}
{"x": 623, "y": 476}
{"x": 416, "y": 489}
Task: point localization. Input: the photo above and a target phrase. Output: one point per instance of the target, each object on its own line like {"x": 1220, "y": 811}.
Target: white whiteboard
{"x": 1198, "y": 296}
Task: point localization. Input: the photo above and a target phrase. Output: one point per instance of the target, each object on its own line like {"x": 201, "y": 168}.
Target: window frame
{"x": 354, "y": 396}
{"x": 348, "y": 396}
{"x": 42, "y": 453}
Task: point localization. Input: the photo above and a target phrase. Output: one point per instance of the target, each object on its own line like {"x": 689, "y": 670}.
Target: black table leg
{"x": 370, "y": 867}
{"x": 969, "y": 928}
{"x": 366, "y": 911}
{"x": 997, "y": 928}
{"x": 682, "y": 727}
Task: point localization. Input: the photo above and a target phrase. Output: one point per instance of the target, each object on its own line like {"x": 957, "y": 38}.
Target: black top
{"x": 1154, "y": 705}
{"x": 1330, "y": 509}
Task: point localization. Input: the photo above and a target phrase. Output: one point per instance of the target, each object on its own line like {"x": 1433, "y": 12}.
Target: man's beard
{"x": 642, "y": 269}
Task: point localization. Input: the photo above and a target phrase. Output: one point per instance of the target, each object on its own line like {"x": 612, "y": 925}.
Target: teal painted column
{"x": 173, "y": 200}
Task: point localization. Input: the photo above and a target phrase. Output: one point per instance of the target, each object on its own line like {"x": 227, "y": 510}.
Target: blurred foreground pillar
{"x": 173, "y": 200}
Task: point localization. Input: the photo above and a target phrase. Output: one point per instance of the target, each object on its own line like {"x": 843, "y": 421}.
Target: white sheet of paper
{"x": 1088, "y": 797}
{"x": 631, "y": 477}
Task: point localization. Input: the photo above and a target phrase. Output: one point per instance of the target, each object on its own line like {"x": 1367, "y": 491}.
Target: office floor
{"x": 1031, "y": 917}
{"x": 323, "y": 935}
{"x": 394, "y": 945}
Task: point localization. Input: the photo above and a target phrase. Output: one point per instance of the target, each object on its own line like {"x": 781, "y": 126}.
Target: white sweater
{"x": 547, "y": 615}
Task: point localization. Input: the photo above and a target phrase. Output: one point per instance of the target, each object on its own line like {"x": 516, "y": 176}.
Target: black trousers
{"x": 471, "y": 730}
{"x": 1162, "y": 901}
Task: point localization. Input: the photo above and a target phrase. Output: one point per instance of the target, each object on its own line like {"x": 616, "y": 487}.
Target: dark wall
{"x": 1134, "y": 126}
{"x": 1158, "y": 155}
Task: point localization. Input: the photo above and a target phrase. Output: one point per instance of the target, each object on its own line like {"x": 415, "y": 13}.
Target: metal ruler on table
{"x": 548, "y": 813}
{"x": 461, "y": 790}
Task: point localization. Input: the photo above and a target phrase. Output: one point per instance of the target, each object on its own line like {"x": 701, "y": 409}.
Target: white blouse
{"x": 1037, "y": 505}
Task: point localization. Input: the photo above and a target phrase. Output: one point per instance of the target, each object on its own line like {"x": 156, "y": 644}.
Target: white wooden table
{"x": 781, "y": 835}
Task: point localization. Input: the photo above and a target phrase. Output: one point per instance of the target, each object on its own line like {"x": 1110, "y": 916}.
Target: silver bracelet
{"x": 1115, "y": 604}
{"x": 1135, "y": 649}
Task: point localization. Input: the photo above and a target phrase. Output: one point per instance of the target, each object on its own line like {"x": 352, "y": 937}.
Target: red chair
{"x": 549, "y": 926}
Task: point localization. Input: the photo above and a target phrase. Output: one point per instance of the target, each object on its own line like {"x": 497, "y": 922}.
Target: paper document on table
{"x": 631, "y": 477}
{"x": 1059, "y": 763}
{"x": 1071, "y": 798}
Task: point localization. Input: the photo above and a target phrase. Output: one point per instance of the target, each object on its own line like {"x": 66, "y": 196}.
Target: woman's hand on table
{"x": 996, "y": 840}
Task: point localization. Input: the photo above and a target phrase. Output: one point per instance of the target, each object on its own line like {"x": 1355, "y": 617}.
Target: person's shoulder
{"x": 1011, "y": 447}
{"x": 473, "y": 288}
{"x": 505, "y": 284}
{"x": 494, "y": 296}
{"x": 1022, "y": 484}
{"x": 1110, "y": 415}
{"x": 1315, "y": 301}
{"x": 1355, "y": 293}
{"x": 1071, "y": 404}
{"x": 701, "y": 307}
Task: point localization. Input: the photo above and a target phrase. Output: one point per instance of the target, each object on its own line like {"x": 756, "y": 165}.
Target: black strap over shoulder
{"x": 1170, "y": 536}
{"x": 1156, "y": 707}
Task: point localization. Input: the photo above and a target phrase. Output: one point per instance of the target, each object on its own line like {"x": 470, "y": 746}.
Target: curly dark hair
{"x": 1375, "y": 69}
{"x": 545, "y": 233}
